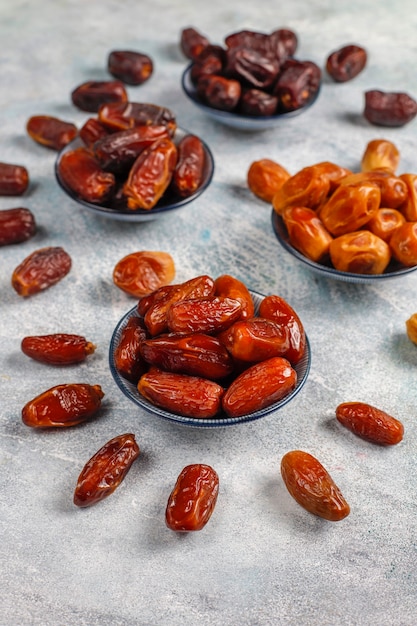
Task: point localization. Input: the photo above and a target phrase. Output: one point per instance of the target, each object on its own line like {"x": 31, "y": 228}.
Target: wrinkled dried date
{"x": 83, "y": 175}
{"x": 63, "y": 406}
{"x": 360, "y": 252}
{"x": 14, "y": 179}
{"x": 141, "y": 273}
{"x": 57, "y": 348}
{"x": 129, "y": 66}
{"x": 91, "y": 95}
{"x": 389, "y": 108}
{"x": 189, "y": 169}
{"x": 219, "y": 92}
{"x": 307, "y": 233}
{"x": 370, "y": 423}
{"x": 40, "y": 270}
{"x": 192, "y": 42}
{"x": 310, "y": 484}
{"x": 255, "y": 340}
{"x": 265, "y": 177}
{"x": 257, "y": 102}
{"x": 380, "y": 154}
{"x": 127, "y": 355}
{"x": 203, "y": 315}
{"x": 403, "y": 244}
{"x": 16, "y": 225}
{"x": 51, "y": 132}
{"x": 123, "y": 115}
{"x": 193, "y": 498}
{"x": 106, "y": 469}
{"x": 257, "y": 69}
{"x": 230, "y": 287}
{"x": 344, "y": 64}
{"x": 278, "y": 310}
{"x": 297, "y": 84}
{"x": 91, "y": 131}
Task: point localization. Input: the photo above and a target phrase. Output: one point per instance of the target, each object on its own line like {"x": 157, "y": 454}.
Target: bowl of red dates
{"x": 355, "y": 226}
{"x": 210, "y": 353}
{"x": 251, "y": 82}
{"x": 133, "y": 163}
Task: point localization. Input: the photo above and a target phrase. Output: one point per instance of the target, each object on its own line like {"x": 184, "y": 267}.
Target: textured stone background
{"x": 262, "y": 560}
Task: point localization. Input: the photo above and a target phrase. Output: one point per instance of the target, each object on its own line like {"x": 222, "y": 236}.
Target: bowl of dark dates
{"x": 133, "y": 163}
{"x": 251, "y": 82}
{"x": 210, "y": 353}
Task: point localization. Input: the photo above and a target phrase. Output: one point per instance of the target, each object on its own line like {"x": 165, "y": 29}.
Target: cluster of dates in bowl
{"x": 353, "y": 226}
{"x": 210, "y": 352}
{"x": 133, "y": 162}
{"x": 252, "y": 81}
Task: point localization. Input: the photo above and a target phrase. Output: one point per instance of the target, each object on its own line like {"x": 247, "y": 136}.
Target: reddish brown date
{"x": 129, "y": 66}
{"x": 106, "y": 469}
{"x": 219, "y": 92}
{"x": 189, "y": 169}
{"x": 63, "y": 406}
{"x": 370, "y": 423}
{"x": 307, "y": 233}
{"x": 89, "y": 96}
{"x": 297, "y": 84}
{"x": 310, "y": 484}
{"x": 203, "y": 315}
{"x": 389, "y": 108}
{"x": 121, "y": 116}
{"x": 403, "y": 244}
{"x": 259, "y": 386}
{"x": 16, "y": 225}
{"x": 230, "y": 287}
{"x": 58, "y": 348}
{"x": 91, "y": 131}
{"x": 344, "y": 64}
{"x": 256, "y": 68}
{"x": 191, "y": 396}
{"x": 14, "y": 179}
{"x": 40, "y": 270}
{"x": 192, "y": 42}
{"x": 127, "y": 355}
{"x": 257, "y": 102}
{"x": 196, "y": 355}
{"x": 192, "y": 501}
{"x": 51, "y": 132}
{"x": 141, "y": 273}
{"x": 83, "y": 175}
{"x": 151, "y": 175}
{"x": 279, "y": 311}
{"x": 255, "y": 340}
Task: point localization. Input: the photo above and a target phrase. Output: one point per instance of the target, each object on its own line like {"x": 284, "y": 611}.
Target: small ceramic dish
{"x": 237, "y": 120}
{"x": 394, "y": 270}
{"x": 130, "y": 390}
{"x": 169, "y": 202}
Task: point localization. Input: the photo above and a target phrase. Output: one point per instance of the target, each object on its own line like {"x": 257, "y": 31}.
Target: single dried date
{"x": 297, "y": 84}
{"x": 106, "y": 469}
{"x": 278, "y": 310}
{"x": 14, "y": 179}
{"x": 258, "y": 103}
{"x": 57, "y": 348}
{"x": 204, "y": 315}
{"x": 193, "y": 498}
{"x": 219, "y": 92}
{"x": 16, "y": 225}
{"x": 40, "y": 270}
{"x": 189, "y": 170}
{"x": 370, "y": 423}
{"x": 141, "y": 273}
{"x": 82, "y": 174}
{"x": 256, "y": 339}
{"x": 129, "y": 66}
{"x": 192, "y": 42}
{"x": 89, "y": 96}
{"x": 122, "y": 115}
{"x": 231, "y": 287}
{"x": 265, "y": 177}
{"x": 127, "y": 356}
{"x": 63, "y": 406}
{"x": 346, "y": 63}
{"x": 50, "y": 131}
{"x": 389, "y": 108}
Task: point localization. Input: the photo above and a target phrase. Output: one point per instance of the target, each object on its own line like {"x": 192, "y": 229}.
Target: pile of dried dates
{"x": 254, "y": 73}
{"x": 197, "y": 348}
{"x": 132, "y": 157}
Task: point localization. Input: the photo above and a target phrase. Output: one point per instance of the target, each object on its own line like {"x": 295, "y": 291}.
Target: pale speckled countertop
{"x": 261, "y": 560}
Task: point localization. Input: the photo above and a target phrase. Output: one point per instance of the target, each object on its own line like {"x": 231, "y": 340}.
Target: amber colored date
{"x": 231, "y": 287}
{"x": 129, "y": 66}
{"x": 150, "y": 175}
{"x": 191, "y": 396}
{"x": 196, "y": 355}
{"x": 307, "y": 233}
{"x": 360, "y": 252}
{"x": 189, "y": 170}
{"x": 51, "y": 132}
{"x": 344, "y": 64}
{"x": 40, "y": 270}
{"x": 203, "y": 315}
{"x": 380, "y": 154}
{"x": 265, "y": 177}
{"x": 256, "y": 339}
{"x": 393, "y": 188}
{"x": 385, "y": 222}
{"x": 277, "y": 309}
{"x": 123, "y": 115}
{"x": 311, "y": 485}
{"x": 370, "y": 423}
{"x": 57, "y": 348}
{"x": 392, "y": 109}
{"x": 16, "y": 225}
{"x": 63, "y": 406}
{"x": 106, "y": 469}
{"x": 403, "y": 244}
{"x": 193, "y": 498}
{"x": 259, "y": 386}
{"x": 82, "y": 174}
{"x": 14, "y": 179}
{"x": 141, "y": 273}
{"x": 304, "y": 189}
{"x": 409, "y": 206}
{"x": 128, "y": 359}
{"x": 350, "y": 207}
{"x": 89, "y": 96}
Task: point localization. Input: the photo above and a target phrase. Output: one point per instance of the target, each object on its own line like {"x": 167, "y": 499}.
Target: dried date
{"x": 256, "y": 339}
{"x": 129, "y": 66}
{"x": 389, "y": 108}
{"x": 230, "y": 287}
{"x": 128, "y": 359}
{"x": 193, "y": 498}
{"x": 265, "y": 177}
{"x": 360, "y": 252}
{"x": 192, "y": 43}
{"x": 380, "y": 154}
{"x": 63, "y": 406}
{"x": 14, "y": 179}
{"x": 345, "y": 64}
{"x": 219, "y": 92}
{"x": 189, "y": 170}
{"x": 51, "y": 132}
{"x": 307, "y": 233}
{"x": 140, "y": 273}
{"x": 89, "y": 96}
{"x": 257, "y": 69}
{"x": 203, "y": 315}
{"x": 123, "y": 115}
{"x": 57, "y": 348}
{"x": 258, "y": 103}
{"x": 106, "y": 469}
{"x": 370, "y": 423}
{"x": 297, "y": 84}
{"x": 91, "y": 131}
{"x": 278, "y": 310}
{"x": 82, "y": 174}
{"x": 403, "y": 244}
{"x": 40, "y": 270}
{"x": 16, "y": 225}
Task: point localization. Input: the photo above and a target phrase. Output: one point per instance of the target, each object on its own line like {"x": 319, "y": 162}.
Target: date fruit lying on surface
{"x": 40, "y": 270}
{"x": 51, "y": 132}
{"x": 14, "y": 179}
{"x": 129, "y": 66}
{"x": 57, "y": 348}
{"x": 362, "y": 222}
{"x": 346, "y": 63}
{"x": 89, "y": 96}
{"x": 252, "y": 73}
{"x": 193, "y": 498}
{"x": 140, "y": 273}
{"x": 206, "y": 352}
{"x": 63, "y": 406}
{"x": 370, "y": 423}
{"x": 389, "y": 108}
{"x": 16, "y": 225}
{"x": 106, "y": 469}
{"x": 310, "y": 484}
